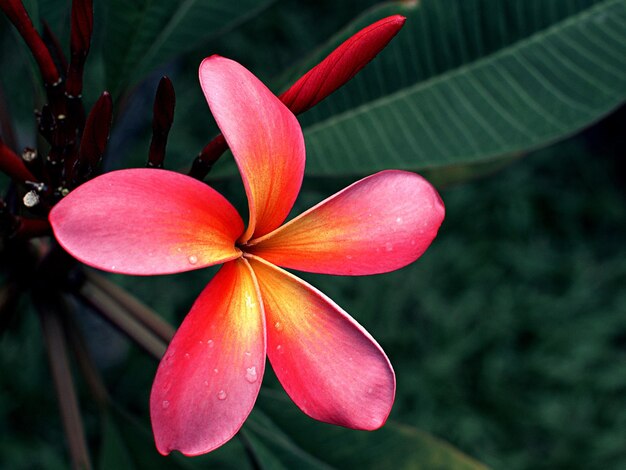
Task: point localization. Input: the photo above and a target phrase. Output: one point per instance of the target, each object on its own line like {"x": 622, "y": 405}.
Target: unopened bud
{"x": 341, "y": 64}
{"x": 163, "y": 115}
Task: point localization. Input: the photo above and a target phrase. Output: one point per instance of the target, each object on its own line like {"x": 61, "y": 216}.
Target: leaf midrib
{"x": 462, "y": 69}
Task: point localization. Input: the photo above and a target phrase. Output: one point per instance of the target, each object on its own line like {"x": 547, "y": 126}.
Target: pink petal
{"x": 329, "y": 365}
{"x": 341, "y": 65}
{"x": 147, "y": 221}
{"x": 378, "y": 224}
{"x": 210, "y": 375}
{"x": 265, "y": 139}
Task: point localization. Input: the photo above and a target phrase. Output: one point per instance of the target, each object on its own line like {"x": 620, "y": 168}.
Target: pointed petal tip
{"x": 329, "y": 365}
{"x": 264, "y": 136}
{"x": 378, "y": 224}
{"x": 209, "y": 378}
{"x": 129, "y": 222}
{"x": 392, "y": 23}
{"x": 205, "y": 62}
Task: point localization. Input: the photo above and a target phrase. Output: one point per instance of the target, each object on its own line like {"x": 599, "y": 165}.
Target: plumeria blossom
{"x": 150, "y": 221}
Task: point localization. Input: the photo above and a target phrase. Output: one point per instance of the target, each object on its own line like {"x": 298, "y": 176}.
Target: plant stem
{"x": 104, "y": 305}
{"x": 86, "y": 364}
{"x": 49, "y": 306}
{"x": 148, "y": 317}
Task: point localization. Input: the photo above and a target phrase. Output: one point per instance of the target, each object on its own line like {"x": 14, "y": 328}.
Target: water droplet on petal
{"x": 389, "y": 247}
{"x": 348, "y": 256}
{"x": 165, "y": 404}
{"x": 251, "y": 374}
{"x": 216, "y": 370}
{"x": 209, "y": 343}
{"x": 187, "y": 356}
{"x": 248, "y": 353}
{"x": 221, "y": 395}
{"x": 279, "y": 347}
{"x": 250, "y": 303}
{"x": 278, "y": 326}
{"x": 399, "y": 220}
{"x": 192, "y": 259}
{"x": 113, "y": 268}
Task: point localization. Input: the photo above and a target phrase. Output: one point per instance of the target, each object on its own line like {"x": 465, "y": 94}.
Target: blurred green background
{"x": 508, "y": 336}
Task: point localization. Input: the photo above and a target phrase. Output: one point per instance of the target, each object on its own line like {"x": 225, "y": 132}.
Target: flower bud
{"x": 341, "y": 65}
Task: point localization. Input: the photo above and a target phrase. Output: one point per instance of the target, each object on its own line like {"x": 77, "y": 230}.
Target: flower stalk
{"x": 110, "y": 310}
{"x": 86, "y": 365}
{"x": 133, "y": 306}
{"x": 49, "y": 305}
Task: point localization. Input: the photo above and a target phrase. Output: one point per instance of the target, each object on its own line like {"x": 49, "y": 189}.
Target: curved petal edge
{"x": 328, "y": 364}
{"x": 147, "y": 221}
{"x": 264, "y": 136}
{"x": 376, "y": 225}
{"x": 211, "y": 373}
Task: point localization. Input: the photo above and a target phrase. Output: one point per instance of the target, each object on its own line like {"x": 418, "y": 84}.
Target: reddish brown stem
{"x": 13, "y": 165}
{"x": 15, "y": 11}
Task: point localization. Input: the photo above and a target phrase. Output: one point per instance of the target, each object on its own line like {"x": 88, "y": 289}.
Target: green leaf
{"x": 143, "y": 34}
{"x": 129, "y": 444}
{"x": 470, "y": 81}
{"x": 273, "y": 447}
{"x": 113, "y": 451}
{"x": 297, "y": 441}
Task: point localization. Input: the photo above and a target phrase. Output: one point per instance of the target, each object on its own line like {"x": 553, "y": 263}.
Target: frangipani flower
{"x": 148, "y": 221}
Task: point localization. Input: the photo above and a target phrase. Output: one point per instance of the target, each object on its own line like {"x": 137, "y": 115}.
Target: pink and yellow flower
{"x": 147, "y": 221}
